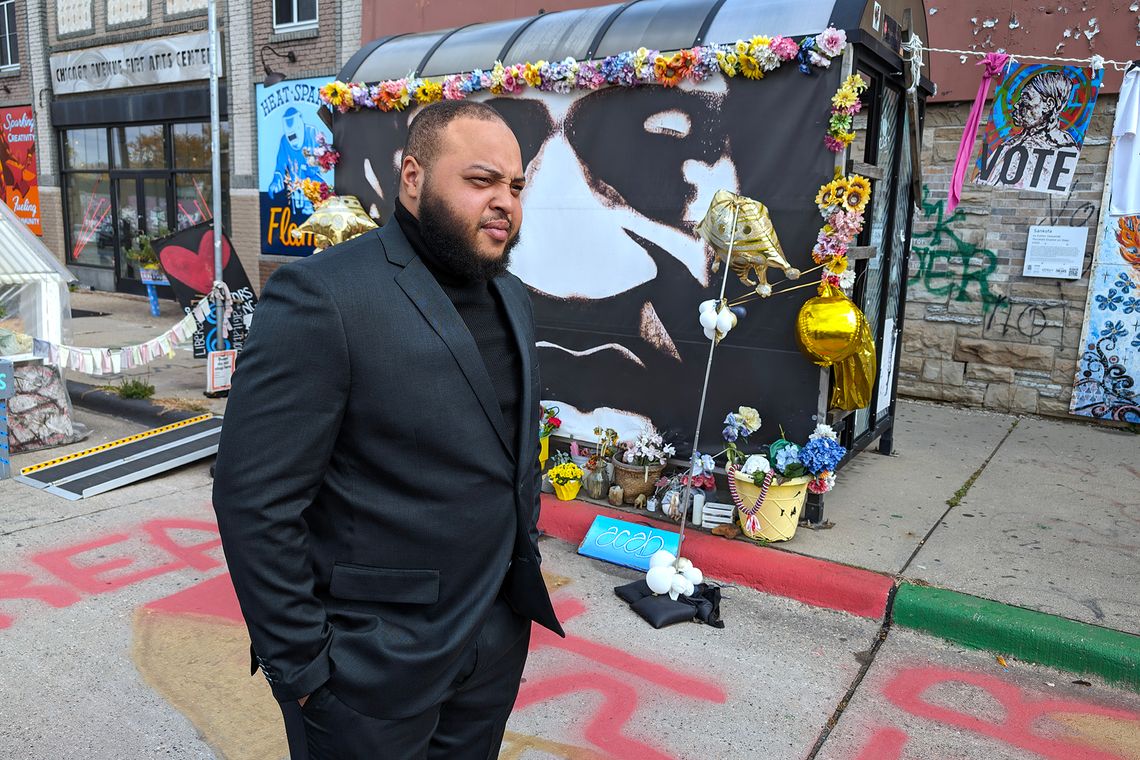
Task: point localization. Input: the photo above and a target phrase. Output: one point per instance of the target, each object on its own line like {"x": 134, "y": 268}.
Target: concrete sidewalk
{"x": 1045, "y": 519}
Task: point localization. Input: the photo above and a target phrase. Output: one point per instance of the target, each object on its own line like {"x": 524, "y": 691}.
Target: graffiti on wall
{"x": 948, "y": 265}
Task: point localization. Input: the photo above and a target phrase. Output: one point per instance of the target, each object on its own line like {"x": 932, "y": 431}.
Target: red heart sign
{"x": 195, "y": 270}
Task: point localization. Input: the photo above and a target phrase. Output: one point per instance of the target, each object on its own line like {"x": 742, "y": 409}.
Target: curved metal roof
{"x": 588, "y": 33}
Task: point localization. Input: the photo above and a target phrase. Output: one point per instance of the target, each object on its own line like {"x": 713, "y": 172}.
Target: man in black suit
{"x": 377, "y": 483}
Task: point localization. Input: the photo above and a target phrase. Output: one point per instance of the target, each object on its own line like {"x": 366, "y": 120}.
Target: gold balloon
{"x": 752, "y": 239}
{"x": 832, "y": 331}
{"x": 829, "y": 326}
{"x": 336, "y": 220}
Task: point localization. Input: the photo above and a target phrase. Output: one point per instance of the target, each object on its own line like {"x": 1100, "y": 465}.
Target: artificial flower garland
{"x": 752, "y": 58}
{"x": 844, "y": 105}
{"x": 842, "y": 203}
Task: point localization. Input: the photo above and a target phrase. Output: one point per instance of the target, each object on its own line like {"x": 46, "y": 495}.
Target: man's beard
{"x": 451, "y": 242}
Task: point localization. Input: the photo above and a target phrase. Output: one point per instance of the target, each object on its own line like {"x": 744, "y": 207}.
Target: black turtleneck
{"x": 485, "y": 315}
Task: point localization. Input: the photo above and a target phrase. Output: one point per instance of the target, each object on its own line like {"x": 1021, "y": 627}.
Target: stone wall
{"x": 977, "y": 332}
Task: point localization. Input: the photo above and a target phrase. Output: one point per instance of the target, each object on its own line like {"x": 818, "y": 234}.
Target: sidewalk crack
{"x": 956, "y": 499}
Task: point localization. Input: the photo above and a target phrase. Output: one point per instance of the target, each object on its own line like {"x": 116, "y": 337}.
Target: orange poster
{"x": 18, "y": 161}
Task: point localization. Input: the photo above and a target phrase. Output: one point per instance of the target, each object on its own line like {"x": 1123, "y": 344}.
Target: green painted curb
{"x": 1025, "y": 634}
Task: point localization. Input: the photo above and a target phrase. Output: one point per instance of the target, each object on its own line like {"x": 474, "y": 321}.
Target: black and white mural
{"x": 617, "y": 180}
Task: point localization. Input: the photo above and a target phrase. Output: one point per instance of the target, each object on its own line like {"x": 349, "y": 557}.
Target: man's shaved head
{"x": 425, "y": 135}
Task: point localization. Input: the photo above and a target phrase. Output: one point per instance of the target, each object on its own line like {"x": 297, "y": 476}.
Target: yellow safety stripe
{"x": 138, "y": 437}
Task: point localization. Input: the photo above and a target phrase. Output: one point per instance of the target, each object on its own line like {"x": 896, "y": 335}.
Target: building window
{"x": 294, "y": 14}
{"x": 123, "y": 181}
{"x": 9, "y": 48}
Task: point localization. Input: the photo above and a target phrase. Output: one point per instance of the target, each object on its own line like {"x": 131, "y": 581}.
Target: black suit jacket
{"x": 370, "y": 505}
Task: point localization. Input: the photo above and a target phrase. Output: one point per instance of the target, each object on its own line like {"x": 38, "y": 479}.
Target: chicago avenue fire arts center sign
{"x": 160, "y": 60}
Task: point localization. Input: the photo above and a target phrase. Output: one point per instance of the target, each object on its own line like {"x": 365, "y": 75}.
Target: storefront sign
{"x": 1055, "y": 252}
{"x": 18, "y": 164}
{"x": 288, "y": 130}
{"x": 160, "y": 60}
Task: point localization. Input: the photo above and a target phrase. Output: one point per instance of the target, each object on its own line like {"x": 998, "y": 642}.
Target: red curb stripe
{"x": 805, "y": 579}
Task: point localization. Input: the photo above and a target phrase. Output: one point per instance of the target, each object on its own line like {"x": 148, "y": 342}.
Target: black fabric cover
{"x": 659, "y": 610}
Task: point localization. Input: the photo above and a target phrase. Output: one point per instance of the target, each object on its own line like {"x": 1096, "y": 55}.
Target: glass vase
{"x": 597, "y": 482}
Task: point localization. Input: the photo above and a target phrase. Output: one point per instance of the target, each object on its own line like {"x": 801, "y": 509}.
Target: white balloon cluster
{"x": 672, "y": 576}
{"x": 716, "y": 319}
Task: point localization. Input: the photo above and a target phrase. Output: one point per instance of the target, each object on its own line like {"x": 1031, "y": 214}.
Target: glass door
{"x": 142, "y": 204}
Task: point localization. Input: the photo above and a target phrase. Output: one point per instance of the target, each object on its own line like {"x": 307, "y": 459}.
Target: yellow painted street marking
{"x": 137, "y": 437}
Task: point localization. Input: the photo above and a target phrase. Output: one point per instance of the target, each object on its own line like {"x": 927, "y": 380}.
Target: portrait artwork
{"x": 1037, "y": 127}
{"x": 617, "y": 181}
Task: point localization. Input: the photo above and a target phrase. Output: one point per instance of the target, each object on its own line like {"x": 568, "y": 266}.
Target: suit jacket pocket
{"x": 366, "y": 583}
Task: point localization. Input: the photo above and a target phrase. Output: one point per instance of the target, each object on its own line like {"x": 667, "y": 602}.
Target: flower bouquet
{"x": 547, "y": 424}
{"x": 770, "y": 488}
{"x": 640, "y": 463}
{"x": 599, "y": 470}
{"x": 567, "y": 479}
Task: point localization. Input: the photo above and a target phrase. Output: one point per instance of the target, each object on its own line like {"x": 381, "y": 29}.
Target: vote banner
{"x": 288, "y": 133}
{"x": 1037, "y": 127}
{"x": 18, "y": 164}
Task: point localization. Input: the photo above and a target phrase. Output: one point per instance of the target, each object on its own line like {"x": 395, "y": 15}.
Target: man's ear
{"x": 411, "y": 177}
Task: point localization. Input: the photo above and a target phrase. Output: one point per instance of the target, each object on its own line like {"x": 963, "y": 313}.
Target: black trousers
{"x": 467, "y": 724}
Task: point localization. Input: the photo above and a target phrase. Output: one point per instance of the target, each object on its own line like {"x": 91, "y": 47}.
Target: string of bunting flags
{"x": 114, "y": 360}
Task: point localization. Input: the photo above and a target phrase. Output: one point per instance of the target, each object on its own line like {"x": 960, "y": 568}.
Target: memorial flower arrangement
{"x": 752, "y": 58}
{"x": 322, "y": 155}
{"x": 738, "y": 426}
{"x": 549, "y": 421}
{"x": 783, "y": 459}
{"x": 648, "y": 449}
{"x": 606, "y": 446}
{"x": 844, "y": 105}
{"x": 842, "y": 203}
{"x": 701, "y": 473}
{"x": 564, "y": 474}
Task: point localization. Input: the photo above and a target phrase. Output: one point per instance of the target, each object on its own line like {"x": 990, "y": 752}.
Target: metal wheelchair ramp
{"x": 128, "y": 460}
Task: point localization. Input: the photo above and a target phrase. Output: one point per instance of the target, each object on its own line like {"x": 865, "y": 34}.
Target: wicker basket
{"x": 636, "y": 480}
{"x": 778, "y": 514}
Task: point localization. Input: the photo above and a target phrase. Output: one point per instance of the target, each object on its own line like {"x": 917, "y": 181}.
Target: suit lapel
{"x": 436, "y": 308}
{"x": 518, "y": 317}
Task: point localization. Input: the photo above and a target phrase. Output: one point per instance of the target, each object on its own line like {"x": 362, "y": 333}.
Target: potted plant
{"x": 599, "y": 470}
{"x": 142, "y": 253}
{"x": 567, "y": 479}
{"x": 547, "y": 424}
{"x": 640, "y": 463}
{"x": 770, "y": 488}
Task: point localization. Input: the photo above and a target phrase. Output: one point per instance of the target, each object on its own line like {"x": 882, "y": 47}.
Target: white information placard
{"x": 1055, "y": 252}
{"x": 220, "y": 370}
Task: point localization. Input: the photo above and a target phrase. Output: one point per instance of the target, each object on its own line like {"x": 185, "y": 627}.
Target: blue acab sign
{"x": 626, "y": 544}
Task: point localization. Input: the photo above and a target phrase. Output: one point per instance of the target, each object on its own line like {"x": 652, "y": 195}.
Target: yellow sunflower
{"x": 750, "y": 67}
{"x": 856, "y": 198}
{"x": 857, "y": 182}
{"x": 832, "y": 194}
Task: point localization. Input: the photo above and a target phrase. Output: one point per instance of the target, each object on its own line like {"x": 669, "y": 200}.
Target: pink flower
{"x": 786, "y": 49}
{"x": 835, "y": 146}
{"x": 819, "y": 485}
{"x": 847, "y": 225}
{"x": 452, "y": 88}
{"x": 831, "y": 41}
{"x": 821, "y": 61}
